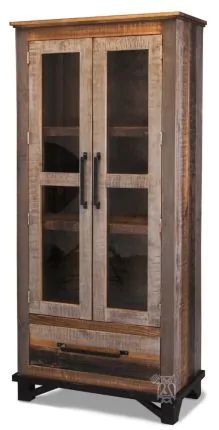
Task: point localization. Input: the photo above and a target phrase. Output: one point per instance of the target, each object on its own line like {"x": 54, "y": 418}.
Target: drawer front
{"x": 115, "y": 354}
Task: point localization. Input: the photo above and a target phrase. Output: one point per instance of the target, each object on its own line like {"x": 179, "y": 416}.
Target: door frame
{"x": 37, "y": 178}
{"x": 151, "y": 181}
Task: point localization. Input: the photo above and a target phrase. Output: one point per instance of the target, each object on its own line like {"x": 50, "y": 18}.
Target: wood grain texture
{"x": 197, "y": 187}
{"x": 95, "y": 325}
{"x": 90, "y": 30}
{"x": 101, "y": 47}
{"x": 82, "y": 337}
{"x": 90, "y": 361}
{"x": 127, "y": 316}
{"x": 170, "y": 276}
{"x": 135, "y": 385}
{"x": 35, "y": 166}
{"x": 107, "y": 19}
{"x": 22, "y": 199}
{"x": 114, "y": 180}
{"x": 181, "y": 203}
{"x": 154, "y": 170}
{"x": 37, "y": 178}
{"x": 59, "y": 179}
{"x": 44, "y": 307}
{"x": 185, "y": 207}
{"x": 191, "y": 283}
{"x": 127, "y": 225}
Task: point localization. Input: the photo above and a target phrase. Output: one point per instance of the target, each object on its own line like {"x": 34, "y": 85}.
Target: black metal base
{"x": 167, "y": 412}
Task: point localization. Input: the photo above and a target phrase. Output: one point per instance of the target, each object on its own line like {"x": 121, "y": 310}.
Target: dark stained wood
{"x": 185, "y": 205}
{"x": 135, "y": 385}
{"x": 95, "y": 325}
{"x": 195, "y": 199}
{"x": 120, "y": 366}
{"x": 196, "y": 281}
{"x": 122, "y": 131}
{"x": 106, "y": 19}
{"x": 22, "y": 199}
{"x": 117, "y": 225}
{"x": 61, "y": 131}
{"x": 127, "y": 225}
{"x": 63, "y": 222}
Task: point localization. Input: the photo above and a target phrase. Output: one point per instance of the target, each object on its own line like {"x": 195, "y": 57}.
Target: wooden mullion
{"x": 59, "y": 179}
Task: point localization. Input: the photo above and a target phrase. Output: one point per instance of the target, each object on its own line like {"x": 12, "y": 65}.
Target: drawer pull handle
{"x": 101, "y": 352}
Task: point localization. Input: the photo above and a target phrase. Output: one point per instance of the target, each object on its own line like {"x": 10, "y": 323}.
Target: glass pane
{"x": 61, "y": 73}
{"x": 127, "y": 104}
{"x": 127, "y": 248}
{"x": 60, "y": 242}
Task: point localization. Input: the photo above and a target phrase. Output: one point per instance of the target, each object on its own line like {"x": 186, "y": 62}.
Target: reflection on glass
{"x": 127, "y": 108}
{"x": 60, "y": 73}
{"x": 61, "y": 154}
{"x": 127, "y": 249}
{"x": 60, "y": 241}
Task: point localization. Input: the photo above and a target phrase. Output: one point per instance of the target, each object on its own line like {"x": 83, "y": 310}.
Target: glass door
{"x": 127, "y": 179}
{"x": 60, "y": 168}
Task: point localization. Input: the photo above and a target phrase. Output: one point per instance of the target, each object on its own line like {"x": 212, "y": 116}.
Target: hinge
{"x": 161, "y": 138}
{"x": 28, "y": 137}
{"x": 28, "y": 57}
{"x": 28, "y": 218}
{"x": 28, "y": 296}
{"x": 160, "y": 225}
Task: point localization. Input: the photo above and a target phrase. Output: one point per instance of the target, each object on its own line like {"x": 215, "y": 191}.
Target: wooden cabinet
{"x": 109, "y": 207}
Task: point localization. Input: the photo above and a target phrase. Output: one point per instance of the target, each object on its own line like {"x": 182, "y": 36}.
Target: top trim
{"x": 106, "y": 20}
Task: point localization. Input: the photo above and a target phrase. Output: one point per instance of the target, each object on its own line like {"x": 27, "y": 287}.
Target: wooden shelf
{"x": 128, "y": 225}
{"x": 117, "y": 225}
{"x": 125, "y": 131}
{"x": 63, "y": 222}
{"x": 60, "y": 131}
{"x": 115, "y": 131}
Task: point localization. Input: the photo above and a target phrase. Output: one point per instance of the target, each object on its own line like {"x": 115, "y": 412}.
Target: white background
{"x": 62, "y": 408}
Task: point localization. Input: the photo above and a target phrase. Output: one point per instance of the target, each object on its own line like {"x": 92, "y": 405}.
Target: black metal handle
{"x": 96, "y": 200}
{"x": 91, "y": 351}
{"x": 82, "y": 180}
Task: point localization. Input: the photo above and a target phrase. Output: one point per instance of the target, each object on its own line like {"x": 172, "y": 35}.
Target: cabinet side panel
{"x": 170, "y": 291}
{"x": 190, "y": 206}
{"x": 181, "y": 202}
{"x": 195, "y": 196}
{"x": 22, "y": 199}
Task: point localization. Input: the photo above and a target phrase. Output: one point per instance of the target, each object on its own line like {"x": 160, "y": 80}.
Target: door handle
{"x": 83, "y": 202}
{"x": 96, "y": 201}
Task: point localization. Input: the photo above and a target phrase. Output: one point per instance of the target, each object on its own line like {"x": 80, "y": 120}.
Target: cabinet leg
{"x": 26, "y": 391}
{"x": 170, "y": 412}
{"x": 195, "y": 393}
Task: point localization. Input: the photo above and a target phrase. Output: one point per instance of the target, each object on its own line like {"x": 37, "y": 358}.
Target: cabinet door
{"x": 60, "y": 171}
{"x": 127, "y": 179}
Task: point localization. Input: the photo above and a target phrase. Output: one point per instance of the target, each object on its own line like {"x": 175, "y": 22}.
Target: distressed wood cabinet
{"x": 109, "y": 207}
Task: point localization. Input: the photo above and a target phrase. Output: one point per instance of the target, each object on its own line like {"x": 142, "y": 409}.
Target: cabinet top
{"x": 107, "y": 19}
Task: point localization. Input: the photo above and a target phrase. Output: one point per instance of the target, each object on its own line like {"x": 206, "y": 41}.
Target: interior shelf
{"x": 60, "y": 131}
{"x": 128, "y": 131}
{"x": 114, "y": 131}
{"x": 128, "y": 225}
{"x": 117, "y": 224}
